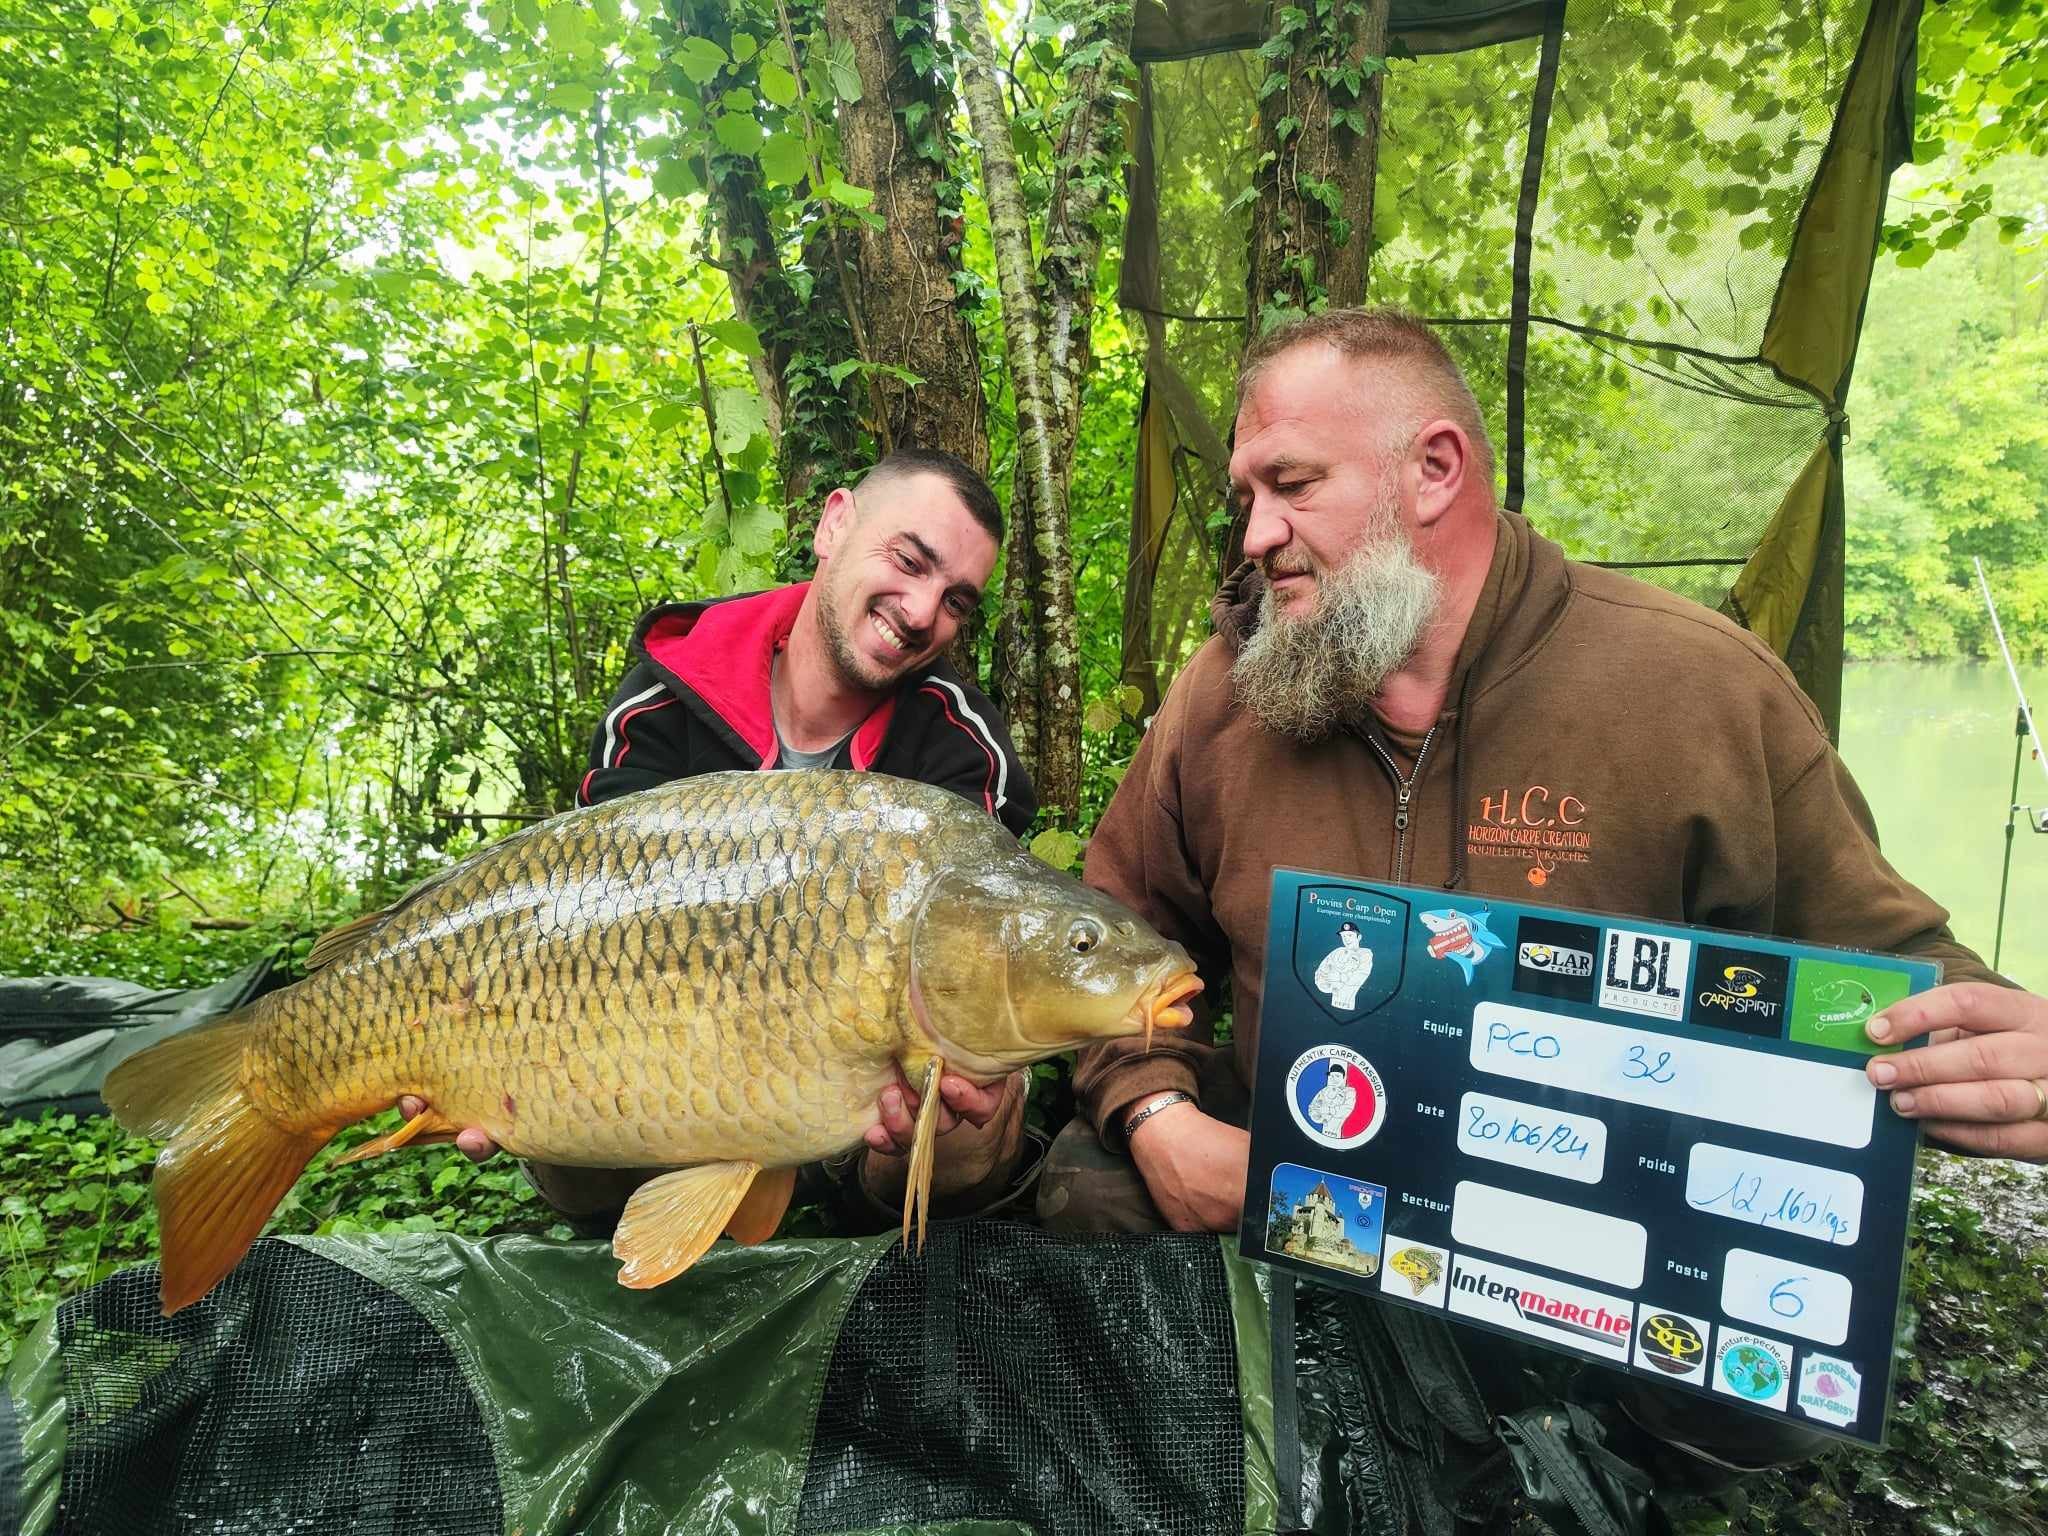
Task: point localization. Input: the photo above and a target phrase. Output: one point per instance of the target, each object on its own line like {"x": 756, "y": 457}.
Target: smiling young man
{"x": 846, "y": 671}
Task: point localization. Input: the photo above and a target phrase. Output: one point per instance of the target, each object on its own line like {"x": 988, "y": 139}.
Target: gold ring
{"x": 2041, "y": 1093}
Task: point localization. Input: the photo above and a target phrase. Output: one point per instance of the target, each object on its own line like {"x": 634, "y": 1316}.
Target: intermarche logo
{"x": 1558, "y": 1310}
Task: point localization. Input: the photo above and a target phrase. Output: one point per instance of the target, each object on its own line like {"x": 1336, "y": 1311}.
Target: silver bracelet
{"x": 1164, "y": 1101}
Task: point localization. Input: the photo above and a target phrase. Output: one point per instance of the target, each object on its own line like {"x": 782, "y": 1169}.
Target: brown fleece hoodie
{"x": 1607, "y": 746}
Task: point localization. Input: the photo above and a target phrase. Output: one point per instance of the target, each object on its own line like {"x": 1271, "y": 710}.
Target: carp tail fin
{"x": 224, "y": 1167}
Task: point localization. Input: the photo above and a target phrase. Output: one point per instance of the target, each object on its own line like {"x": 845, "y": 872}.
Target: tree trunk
{"x": 904, "y": 275}
{"x": 1318, "y": 145}
{"x": 816, "y": 432}
{"x": 1047, "y": 315}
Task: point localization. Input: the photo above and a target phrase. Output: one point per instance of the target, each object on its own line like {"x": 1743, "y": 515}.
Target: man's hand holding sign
{"x": 1981, "y": 1083}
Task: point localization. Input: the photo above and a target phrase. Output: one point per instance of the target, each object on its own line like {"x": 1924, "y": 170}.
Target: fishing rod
{"x": 2023, "y": 731}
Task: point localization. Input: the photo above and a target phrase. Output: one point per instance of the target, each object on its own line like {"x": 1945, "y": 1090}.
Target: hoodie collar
{"x": 723, "y": 655}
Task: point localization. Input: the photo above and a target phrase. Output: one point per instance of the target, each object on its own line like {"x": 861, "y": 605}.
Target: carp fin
{"x": 760, "y": 1211}
{"x": 426, "y": 1127}
{"x": 338, "y": 941}
{"x": 917, "y": 1186}
{"x": 670, "y": 1221}
{"x": 225, "y": 1167}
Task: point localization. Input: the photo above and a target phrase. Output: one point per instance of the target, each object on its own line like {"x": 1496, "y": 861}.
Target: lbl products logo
{"x": 1645, "y": 973}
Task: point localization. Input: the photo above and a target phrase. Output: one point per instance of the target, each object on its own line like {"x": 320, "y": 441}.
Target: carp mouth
{"x": 1164, "y": 1004}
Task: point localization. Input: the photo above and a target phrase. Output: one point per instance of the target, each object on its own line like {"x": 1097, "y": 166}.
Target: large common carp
{"x": 722, "y": 972}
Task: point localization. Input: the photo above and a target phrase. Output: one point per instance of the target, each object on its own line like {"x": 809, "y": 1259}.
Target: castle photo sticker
{"x": 1350, "y": 948}
{"x": 1324, "y": 1218}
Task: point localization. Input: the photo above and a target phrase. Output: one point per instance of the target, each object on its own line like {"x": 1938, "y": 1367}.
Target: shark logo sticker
{"x": 1462, "y": 938}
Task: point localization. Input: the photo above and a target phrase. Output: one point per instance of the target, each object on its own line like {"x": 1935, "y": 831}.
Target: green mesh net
{"x": 1646, "y": 231}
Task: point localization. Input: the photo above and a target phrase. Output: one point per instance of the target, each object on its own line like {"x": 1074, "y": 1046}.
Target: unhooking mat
{"x": 1004, "y": 1381}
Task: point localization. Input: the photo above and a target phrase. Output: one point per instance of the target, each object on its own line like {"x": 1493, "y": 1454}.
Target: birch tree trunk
{"x": 1047, "y": 317}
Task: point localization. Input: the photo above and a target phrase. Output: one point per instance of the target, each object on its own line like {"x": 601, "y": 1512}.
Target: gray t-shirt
{"x": 787, "y": 756}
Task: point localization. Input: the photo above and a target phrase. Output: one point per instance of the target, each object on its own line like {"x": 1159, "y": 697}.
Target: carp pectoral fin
{"x": 760, "y": 1210}
{"x": 422, "y": 1129}
{"x": 917, "y": 1185}
{"x": 671, "y": 1220}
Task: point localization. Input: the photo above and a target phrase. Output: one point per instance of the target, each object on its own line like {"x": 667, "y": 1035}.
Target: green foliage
{"x": 1983, "y": 98}
{"x": 77, "y": 1205}
{"x": 1948, "y": 453}
{"x": 347, "y": 419}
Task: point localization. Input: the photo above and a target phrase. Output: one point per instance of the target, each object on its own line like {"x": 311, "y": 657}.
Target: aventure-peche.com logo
{"x": 1832, "y": 1001}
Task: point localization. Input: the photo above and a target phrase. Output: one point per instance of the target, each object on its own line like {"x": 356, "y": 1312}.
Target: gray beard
{"x": 1303, "y": 677}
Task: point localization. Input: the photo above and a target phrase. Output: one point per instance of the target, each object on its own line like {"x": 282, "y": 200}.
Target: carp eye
{"x": 1084, "y": 935}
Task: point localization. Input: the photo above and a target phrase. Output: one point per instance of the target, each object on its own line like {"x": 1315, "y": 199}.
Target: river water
{"x": 1931, "y": 745}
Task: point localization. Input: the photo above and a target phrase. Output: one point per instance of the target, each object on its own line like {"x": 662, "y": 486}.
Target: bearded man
{"x": 1400, "y": 669}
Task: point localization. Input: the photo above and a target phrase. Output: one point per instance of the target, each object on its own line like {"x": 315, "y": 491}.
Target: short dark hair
{"x": 972, "y": 490}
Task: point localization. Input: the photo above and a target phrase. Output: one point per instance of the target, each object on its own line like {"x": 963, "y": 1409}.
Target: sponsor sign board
{"x": 1635, "y": 1142}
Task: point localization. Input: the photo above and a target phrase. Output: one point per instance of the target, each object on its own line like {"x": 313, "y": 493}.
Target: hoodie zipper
{"x": 1404, "y": 791}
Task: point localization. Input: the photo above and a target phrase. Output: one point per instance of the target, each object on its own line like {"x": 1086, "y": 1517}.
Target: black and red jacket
{"x": 696, "y": 701}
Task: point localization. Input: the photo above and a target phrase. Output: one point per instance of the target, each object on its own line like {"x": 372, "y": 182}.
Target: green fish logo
{"x": 1831, "y": 1002}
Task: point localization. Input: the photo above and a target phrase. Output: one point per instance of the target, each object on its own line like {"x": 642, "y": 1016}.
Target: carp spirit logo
{"x": 1740, "y": 989}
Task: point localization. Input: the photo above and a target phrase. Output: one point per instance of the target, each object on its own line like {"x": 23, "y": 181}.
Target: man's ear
{"x": 1442, "y": 459}
{"x": 832, "y": 522}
